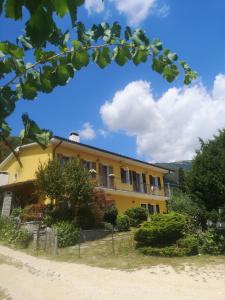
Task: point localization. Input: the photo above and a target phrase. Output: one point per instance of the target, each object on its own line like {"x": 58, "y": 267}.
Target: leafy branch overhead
{"x": 45, "y": 57}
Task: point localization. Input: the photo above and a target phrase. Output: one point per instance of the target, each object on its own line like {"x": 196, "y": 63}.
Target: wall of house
{"x": 30, "y": 158}
{"x": 116, "y": 164}
{"x": 124, "y": 202}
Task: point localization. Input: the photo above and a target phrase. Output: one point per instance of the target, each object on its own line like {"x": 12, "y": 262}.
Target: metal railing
{"x": 114, "y": 183}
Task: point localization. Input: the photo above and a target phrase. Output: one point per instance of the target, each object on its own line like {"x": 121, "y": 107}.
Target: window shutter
{"x": 159, "y": 183}
{"x": 151, "y": 179}
{"x": 131, "y": 177}
{"x": 144, "y": 182}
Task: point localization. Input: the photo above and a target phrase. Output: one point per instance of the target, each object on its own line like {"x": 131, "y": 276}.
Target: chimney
{"x": 74, "y": 137}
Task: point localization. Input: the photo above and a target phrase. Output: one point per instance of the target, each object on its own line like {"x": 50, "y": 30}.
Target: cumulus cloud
{"x": 135, "y": 11}
{"x": 87, "y": 132}
{"x": 94, "y": 6}
{"x": 167, "y": 128}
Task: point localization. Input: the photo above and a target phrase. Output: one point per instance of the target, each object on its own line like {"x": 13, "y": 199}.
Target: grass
{"x": 125, "y": 255}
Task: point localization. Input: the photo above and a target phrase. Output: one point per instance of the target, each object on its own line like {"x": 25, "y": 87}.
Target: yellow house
{"x": 126, "y": 181}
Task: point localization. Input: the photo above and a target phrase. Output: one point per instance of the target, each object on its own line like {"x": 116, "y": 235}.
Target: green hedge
{"x": 123, "y": 223}
{"x": 11, "y": 235}
{"x": 190, "y": 244}
{"x": 137, "y": 215}
{"x": 211, "y": 242}
{"x": 169, "y": 251}
{"x": 68, "y": 233}
{"x": 163, "y": 229}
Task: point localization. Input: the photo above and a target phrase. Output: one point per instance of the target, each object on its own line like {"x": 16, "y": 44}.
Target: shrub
{"x": 32, "y": 212}
{"x": 168, "y": 251}
{"x": 11, "y": 235}
{"x": 137, "y": 215}
{"x": 123, "y": 223}
{"x": 189, "y": 244}
{"x": 163, "y": 229}
{"x": 110, "y": 215}
{"x": 68, "y": 233}
{"x": 212, "y": 242}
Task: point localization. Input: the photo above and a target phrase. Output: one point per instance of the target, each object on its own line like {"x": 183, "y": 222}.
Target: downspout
{"x": 54, "y": 149}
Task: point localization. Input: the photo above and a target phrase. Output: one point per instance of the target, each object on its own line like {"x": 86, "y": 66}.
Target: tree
{"x": 181, "y": 179}
{"x": 206, "y": 178}
{"x": 44, "y": 57}
{"x": 69, "y": 183}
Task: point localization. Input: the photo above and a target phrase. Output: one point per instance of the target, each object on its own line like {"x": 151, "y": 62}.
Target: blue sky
{"x": 161, "y": 122}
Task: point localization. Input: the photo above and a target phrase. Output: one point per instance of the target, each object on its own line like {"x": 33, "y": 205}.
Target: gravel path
{"x": 30, "y": 278}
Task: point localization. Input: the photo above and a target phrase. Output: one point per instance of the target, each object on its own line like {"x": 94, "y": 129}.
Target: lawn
{"x": 100, "y": 253}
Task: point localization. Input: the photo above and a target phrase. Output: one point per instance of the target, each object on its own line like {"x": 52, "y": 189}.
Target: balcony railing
{"x": 115, "y": 183}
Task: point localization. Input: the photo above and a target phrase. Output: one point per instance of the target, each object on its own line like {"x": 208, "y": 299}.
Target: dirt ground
{"x": 24, "y": 277}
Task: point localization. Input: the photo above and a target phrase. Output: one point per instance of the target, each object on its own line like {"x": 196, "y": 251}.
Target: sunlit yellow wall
{"x": 30, "y": 158}
{"x": 124, "y": 202}
{"x": 117, "y": 164}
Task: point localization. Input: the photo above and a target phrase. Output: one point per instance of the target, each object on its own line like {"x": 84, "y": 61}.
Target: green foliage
{"x": 11, "y": 235}
{"x": 65, "y": 184}
{"x": 163, "y": 229}
{"x": 68, "y": 233}
{"x": 137, "y": 215}
{"x": 123, "y": 223}
{"x": 206, "y": 179}
{"x": 110, "y": 215}
{"x": 168, "y": 251}
{"x": 182, "y": 203}
{"x": 28, "y": 68}
{"x": 212, "y": 242}
{"x": 190, "y": 244}
{"x": 32, "y": 212}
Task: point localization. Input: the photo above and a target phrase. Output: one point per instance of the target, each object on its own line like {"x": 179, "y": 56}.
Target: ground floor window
{"x": 152, "y": 208}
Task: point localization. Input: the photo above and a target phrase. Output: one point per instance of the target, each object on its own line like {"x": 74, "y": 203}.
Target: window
{"x": 63, "y": 159}
{"x": 90, "y": 166}
{"x": 155, "y": 182}
{"x": 106, "y": 176}
{"x": 124, "y": 173}
{"x": 153, "y": 209}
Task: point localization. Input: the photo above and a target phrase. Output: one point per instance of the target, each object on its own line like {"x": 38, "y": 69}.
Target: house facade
{"x": 126, "y": 181}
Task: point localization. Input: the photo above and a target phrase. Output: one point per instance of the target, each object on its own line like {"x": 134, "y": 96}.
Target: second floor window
{"x": 63, "y": 159}
{"x": 155, "y": 182}
{"x": 90, "y": 166}
{"x": 124, "y": 173}
{"x": 106, "y": 176}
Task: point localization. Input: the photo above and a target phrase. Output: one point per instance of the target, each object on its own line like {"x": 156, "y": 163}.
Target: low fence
{"x": 94, "y": 241}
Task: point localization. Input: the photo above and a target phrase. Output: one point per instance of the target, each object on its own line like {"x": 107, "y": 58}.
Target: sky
{"x": 131, "y": 109}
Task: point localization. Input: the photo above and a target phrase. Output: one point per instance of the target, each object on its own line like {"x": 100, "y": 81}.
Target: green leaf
{"x": 61, "y": 7}
{"x": 172, "y": 56}
{"x": 102, "y": 57}
{"x": 5, "y": 130}
{"x": 72, "y": 5}
{"x": 158, "y": 65}
{"x": 62, "y": 74}
{"x": 39, "y": 27}
{"x": 33, "y": 132}
{"x": 170, "y": 73}
{"x": 140, "y": 55}
{"x": 8, "y": 48}
{"x": 119, "y": 55}
{"x": 80, "y": 59}
{"x": 13, "y": 9}
{"x": 116, "y": 29}
{"x": 127, "y": 33}
{"x": 29, "y": 91}
{"x": 46, "y": 85}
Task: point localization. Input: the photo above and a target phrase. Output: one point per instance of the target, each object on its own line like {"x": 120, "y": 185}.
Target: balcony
{"x": 114, "y": 183}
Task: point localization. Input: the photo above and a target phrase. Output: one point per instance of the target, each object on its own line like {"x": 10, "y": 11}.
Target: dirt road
{"x": 25, "y": 277}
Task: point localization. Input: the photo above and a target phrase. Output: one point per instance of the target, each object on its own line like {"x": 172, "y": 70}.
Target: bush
{"x": 212, "y": 242}
{"x": 11, "y": 235}
{"x": 68, "y": 233}
{"x": 163, "y": 229}
{"x": 189, "y": 244}
{"x": 137, "y": 215}
{"x": 168, "y": 251}
{"x": 123, "y": 223}
{"x": 110, "y": 215}
{"x": 32, "y": 212}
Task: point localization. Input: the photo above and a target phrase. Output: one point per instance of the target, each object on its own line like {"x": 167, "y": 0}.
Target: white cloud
{"x": 87, "y": 132}
{"x": 168, "y": 128}
{"x": 136, "y": 11}
{"x": 94, "y": 6}
{"x": 163, "y": 11}
{"x": 103, "y": 132}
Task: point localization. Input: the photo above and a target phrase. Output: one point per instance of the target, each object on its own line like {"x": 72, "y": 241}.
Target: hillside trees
{"x": 206, "y": 179}
{"x": 45, "y": 57}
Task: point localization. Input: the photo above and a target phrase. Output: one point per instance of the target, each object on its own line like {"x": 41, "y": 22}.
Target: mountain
{"x": 173, "y": 177}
